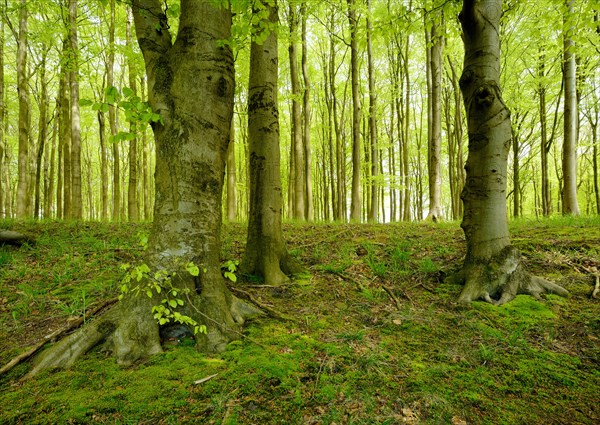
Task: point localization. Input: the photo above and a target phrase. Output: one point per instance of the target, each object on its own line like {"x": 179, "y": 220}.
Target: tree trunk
{"x": 231, "y": 178}
{"x": 492, "y": 269}
{"x": 24, "y": 113}
{"x": 374, "y": 207}
{"x": 103, "y": 166}
{"x": 112, "y": 118}
{"x": 42, "y": 133}
{"x": 132, "y": 202}
{"x": 308, "y": 178}
{"x": 570, "y": 204}
{"x": 191, "y": 85}
{"x": 434, "y": 151}
{"x": 3, "y": 144}
{"x": 297, "y": 142}
{"x": 76, "y": 194}
{"x": 356, "y": 202}
{"x": 265, "y": 254}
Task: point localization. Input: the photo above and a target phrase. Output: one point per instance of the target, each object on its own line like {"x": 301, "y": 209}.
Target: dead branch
{"x": 54, "y": 336}
{"x": 270, "y": 311}
{"x": 392, "y": 296}
{"x": 10, "y": 237}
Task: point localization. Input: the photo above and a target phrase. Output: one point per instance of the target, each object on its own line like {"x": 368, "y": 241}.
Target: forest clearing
{"x": 370, "y": 335}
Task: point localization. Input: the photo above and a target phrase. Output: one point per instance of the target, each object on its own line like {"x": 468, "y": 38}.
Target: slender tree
{"x": 3, "y": 146}
{"x": 266, "y": 254}
{"x": 570, "y": 205}
{"x": 434, "y": 150}
{"x": 374, "y": 205}
{"x": 75, "y": 183}
{"x": 492, "y": 268}
{"x": 356, "y": 202}
{"x": 24, "y": 112}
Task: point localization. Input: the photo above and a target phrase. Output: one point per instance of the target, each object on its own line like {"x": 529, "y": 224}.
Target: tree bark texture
{"x": 356, "y": 202}
{"x": 434, "y": 151}
{"x": 373, "y": 211}
{"x": 492, "y": 268}
{"x": 191, "y": 146}
{"x": 569, "y": 154}
{"x": 306, "y": 116}
{"x": 132, "y": 199}
{"x": 75, "y": 183}
{"x": 24, "y": 113}
{"x": 299, "y": 211}
{"x": 266, "y": 254}
{"x": 3, "y": 145}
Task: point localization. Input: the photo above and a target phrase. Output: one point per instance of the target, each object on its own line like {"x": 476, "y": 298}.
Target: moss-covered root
{"x": 501, "y": 279}
{"x": 128, "y": 329}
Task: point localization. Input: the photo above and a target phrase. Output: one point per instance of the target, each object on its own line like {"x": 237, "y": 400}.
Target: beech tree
{"x": 266, "y": 254}
{"x": 492, "y": 268}
{"x": 191, "y": 87}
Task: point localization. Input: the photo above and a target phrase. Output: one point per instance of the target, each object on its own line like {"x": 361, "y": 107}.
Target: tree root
{"x": 130, "y": 332}
{"x": 10, "y": 237}
{"x": 54, "y": 335}
{"x": 500, "y": 279}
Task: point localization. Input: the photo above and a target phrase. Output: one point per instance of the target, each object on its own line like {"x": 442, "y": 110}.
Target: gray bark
{"x": 492, "y": 269}
{"x": 356, "y": 202}
{"x": 190, "y": 163}
{"x": 569, "y": 154}
{"x": 24, "y": 113}
{"x": 265, "y": 254}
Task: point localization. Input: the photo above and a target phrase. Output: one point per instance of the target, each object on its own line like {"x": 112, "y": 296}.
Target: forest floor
{"x": 373, "y": 336}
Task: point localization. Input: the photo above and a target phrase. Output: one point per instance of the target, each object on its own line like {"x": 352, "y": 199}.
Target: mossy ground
{"x": 351, "y": 353}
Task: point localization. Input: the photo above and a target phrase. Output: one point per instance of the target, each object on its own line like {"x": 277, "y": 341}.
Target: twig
{"x": 393, "y": 297}
{"x": 203, "y": 380}
{"x": 54, "y": 335}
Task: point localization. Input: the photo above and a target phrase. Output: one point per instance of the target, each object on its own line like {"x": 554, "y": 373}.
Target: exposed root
{"x": 130, "y": 332}
{"x": 596, "y": 291}
{"x": 501, "y": 279}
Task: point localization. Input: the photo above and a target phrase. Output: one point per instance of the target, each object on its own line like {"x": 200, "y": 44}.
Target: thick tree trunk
{"x": 191, "y": 85}
{"x": 492, "y": 268}
{"x": 24, "y": 113}
{"x": 266, "y": 254}
{"x": 570, "y": 204}
{"x": 356, "y": 202}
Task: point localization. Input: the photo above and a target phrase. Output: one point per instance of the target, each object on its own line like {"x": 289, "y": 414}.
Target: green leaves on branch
{"x": 229, "y": 268}
{"x": 137, "y": 113}
{"x": 140, "y": 280}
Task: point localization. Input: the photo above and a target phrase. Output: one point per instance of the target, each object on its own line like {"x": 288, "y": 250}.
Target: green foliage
{"x": 137, "y": 112}
{"x": 140, "y": 279}
{"x": 229, "y": 268}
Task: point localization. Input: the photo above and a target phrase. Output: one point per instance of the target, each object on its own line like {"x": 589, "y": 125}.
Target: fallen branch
{"x": 203, "y": 380}
{"x": 270, "y": 311}
{"x": 392, "y": 296}
{"x": 10, "y": 237}
{"x": 53, "y": 336}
